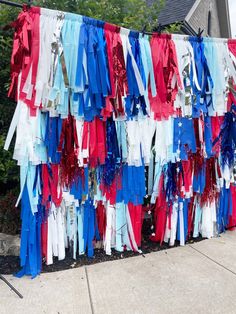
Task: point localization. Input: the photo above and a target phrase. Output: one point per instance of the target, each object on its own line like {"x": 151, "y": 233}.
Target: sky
{"x": 232, "y": 13}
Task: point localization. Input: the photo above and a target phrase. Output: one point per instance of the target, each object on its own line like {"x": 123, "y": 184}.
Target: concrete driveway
{"x": 197, "y": 278}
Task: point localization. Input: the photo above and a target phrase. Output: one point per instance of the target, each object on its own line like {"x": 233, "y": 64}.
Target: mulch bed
{"x": 11, "y": 264}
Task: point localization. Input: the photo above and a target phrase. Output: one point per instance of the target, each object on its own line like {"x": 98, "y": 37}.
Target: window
{"x": 209, "y": 23}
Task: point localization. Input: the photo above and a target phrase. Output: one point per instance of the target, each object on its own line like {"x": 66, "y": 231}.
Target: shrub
{"x": 9, "y": 214}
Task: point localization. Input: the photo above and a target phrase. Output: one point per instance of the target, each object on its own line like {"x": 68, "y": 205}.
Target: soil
{"x": 11, "y": 264}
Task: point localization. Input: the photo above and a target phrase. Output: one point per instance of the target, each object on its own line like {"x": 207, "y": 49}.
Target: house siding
{"x": 199, "y": 18}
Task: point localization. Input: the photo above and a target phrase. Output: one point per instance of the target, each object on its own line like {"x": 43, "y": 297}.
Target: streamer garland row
{"x": 110, "y": 124}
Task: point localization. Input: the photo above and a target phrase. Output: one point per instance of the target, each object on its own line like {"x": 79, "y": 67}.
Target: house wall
{"x": 200, "y": 18}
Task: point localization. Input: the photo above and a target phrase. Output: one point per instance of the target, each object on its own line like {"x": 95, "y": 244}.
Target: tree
{"x": 133, "y": 14}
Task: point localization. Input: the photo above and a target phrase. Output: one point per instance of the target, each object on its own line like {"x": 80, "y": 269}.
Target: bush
{"x": 9, "y": 214}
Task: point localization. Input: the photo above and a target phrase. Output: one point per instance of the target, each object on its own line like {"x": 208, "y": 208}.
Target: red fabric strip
{"x": 165, "y": 67}
{"x": 117, "y": 69}
{"x": 135, "y": 212}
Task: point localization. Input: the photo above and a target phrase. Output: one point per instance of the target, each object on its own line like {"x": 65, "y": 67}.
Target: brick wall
{"x": 200, "y": 18}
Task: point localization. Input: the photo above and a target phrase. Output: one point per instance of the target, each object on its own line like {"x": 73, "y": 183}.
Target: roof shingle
{"x": 175, "y": 11}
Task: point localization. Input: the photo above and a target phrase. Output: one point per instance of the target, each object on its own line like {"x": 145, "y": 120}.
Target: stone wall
{"x": 9, "y": 244}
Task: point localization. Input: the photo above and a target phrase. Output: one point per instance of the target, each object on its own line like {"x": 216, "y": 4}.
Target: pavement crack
{"x": 89, "y": 291}
{"x": 214, "y": 261}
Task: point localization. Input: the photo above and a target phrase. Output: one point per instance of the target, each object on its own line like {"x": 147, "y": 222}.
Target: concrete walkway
{"x": 197, "y": 278}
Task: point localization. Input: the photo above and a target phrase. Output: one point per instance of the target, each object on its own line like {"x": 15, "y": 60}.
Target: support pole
{"x": 11, "y": 286}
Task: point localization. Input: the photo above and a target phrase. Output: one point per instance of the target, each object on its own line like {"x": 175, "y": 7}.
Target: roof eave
{"x": 187, "y": 29}
{"x": 194, "y": 7}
